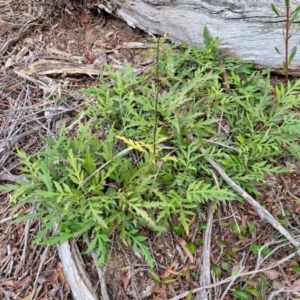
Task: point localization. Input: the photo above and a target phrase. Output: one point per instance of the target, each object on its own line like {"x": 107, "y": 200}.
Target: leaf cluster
{"x": 107, "y": 181}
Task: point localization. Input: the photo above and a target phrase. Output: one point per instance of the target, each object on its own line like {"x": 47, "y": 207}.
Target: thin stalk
{"x": 156, "y": 97}
{"x": 287, "y": 37}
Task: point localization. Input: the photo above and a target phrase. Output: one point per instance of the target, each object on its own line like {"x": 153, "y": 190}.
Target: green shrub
{"x": 107, "y": 181}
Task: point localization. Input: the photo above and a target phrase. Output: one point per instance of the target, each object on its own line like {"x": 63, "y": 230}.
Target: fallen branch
{"x": 100, "y": 272}
{"x": 76, "y": 276}
{"x": 262, "y": 212}
{"x": 229, "y": 279}
{"x": 8, "y": 144}
{"x": 16, "y": 37}
{"x": 205, "y": 275}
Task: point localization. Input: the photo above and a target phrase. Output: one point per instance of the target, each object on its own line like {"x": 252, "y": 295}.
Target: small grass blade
{"x": 275, "y": 10}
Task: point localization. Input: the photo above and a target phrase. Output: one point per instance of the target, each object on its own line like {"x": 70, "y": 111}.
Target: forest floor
{"x": 55, "y": 48}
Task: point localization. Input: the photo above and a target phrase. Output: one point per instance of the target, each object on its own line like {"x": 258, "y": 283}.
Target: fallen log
{"x": 249, "y": 29}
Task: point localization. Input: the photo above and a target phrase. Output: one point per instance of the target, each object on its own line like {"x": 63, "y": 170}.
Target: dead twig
{"x": 75, "y": 273}
{"x": 131, "y": 275}
{"x": 229, "y": 279}
{"x": 24, "y": 251}
{"x": 25, "y": 28}
{"x": 262, "y": 212}
{"x": 42, "y": 261}
{"x": 205, "y": 274}
{"x": 235, "y": 277}
{"x": 8, "y": 144}
{"x": 103, "y": 286}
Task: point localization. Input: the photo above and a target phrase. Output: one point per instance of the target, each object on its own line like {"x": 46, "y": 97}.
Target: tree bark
{"x": 249, "y": 29}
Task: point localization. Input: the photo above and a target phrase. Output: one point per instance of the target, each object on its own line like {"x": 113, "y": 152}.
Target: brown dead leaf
{"x": 169, "y": 272}
{"x": 60, "y": 272}
{"x": 297, "y": 210}
{"x": 22, "y": 283}
{"x": 174, "y": 265}
{"x": 15, "y": 85}
{"x": 29, "y": 297}
{"x": 186, "y": 250}
{"x": 271, "y": 274}
{"x": 125, "y": 279}
{"x": 7, "y": 283}
{"x": 188, "y": 268}
{"x": 160, "y": 293}
{"x": 252, "y": 283}
{"x": 41, "y": 279}
{"x": 243, "y": 223}
{"x": 235, "y": 269}
{"x": 296, "y": 284}
{"x": 277, "y": 285}
{"x": 148, "y": 290}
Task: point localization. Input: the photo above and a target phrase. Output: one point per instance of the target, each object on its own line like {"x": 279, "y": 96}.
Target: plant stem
{"x": 287, "y": 37}
{"x": 156, "y": 97}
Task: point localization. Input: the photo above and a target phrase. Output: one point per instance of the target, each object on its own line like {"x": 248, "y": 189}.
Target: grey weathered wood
{"x": 77, "y": 278}
{"x": 248, "y": 28}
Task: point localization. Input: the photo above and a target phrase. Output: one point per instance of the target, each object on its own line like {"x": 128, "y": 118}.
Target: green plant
{"x": 290, "y": 19}
{"x": 110, "y": 180}
{"x": 255, "y": 248}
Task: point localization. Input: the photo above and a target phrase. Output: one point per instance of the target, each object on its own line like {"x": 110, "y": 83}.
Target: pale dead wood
{"x": 38, "y": 82}
{"x": 9, "y": 143}
{"x": 137, "y": 45}
{"x": 5, "y": 3}
{"x": 13, "y": 125}
{"x": 234, "y": 278}
{"x": 262, "y": 212}
{"x": 24, "y": 250}
{"x": 205, "y": 268}
{"x": 76, "y": 275}
{"x": 248, "y": 28}
{"x": 73, "y": 266}
{"x": 100, "y": 272}
{"x": 131, "y": 276}
{"x": 41, "y": 264}
{"x": 229, "y": 279}
{"x": 13, "y": 178}
{"x": 23, "y": 30}
{"x": 262, "y": 258}
{"x": 46, "y": 67}
{"x": 276, "y": 293}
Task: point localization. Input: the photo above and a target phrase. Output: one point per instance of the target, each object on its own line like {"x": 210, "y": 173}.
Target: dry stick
{"x": 103, "y": 287}
{"x": 287, "y": 37}
{"x": 235, "y": 278}
{"x": 123, "y": 152}
{"x": 229, "y": 279}
{"x": 24, "y": 252}
{"x": 262, "y": 212}
{"x": 285, "y": 290}
{"x": 261, "y": 259}
{"x": 76, "y": 276}
{"x": 41, "y": 265}
{"x": 25, "y": 28}
{"x": 13, "y": 178}
{"x": 276, "y": 293}
{"x": 131, "y": 276}
{"x": 8, "y": 144}
{"x": 156, "y": 97}
{"x": 205, "y": 276}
